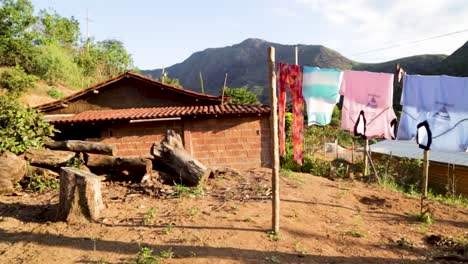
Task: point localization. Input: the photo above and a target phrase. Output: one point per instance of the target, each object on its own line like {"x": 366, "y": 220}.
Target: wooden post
{"x": 454, "y": 187}
{"x": 352, "y": 152}
{"x": 224, "y": 88}
{"x": 425, "y": 173}
{"x": 296, "y": 56}
{"x": 202, "y": 86}
{"x": 274, "y": 141}
{"x": 366, "y": 159}
{"x": 425, "y": 181}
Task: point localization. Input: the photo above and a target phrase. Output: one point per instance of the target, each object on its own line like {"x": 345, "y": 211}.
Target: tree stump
{"x": 171, "y": 152}
{"x": 80, "y": 196}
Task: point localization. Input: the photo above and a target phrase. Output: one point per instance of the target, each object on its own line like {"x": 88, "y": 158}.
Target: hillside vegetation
{"x": 43, "y": 56}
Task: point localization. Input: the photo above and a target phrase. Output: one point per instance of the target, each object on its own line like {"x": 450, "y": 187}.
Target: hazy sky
{"x": 162, "y": 33}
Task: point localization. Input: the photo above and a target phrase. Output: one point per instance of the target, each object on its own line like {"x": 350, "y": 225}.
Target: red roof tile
{"x": 59, "y": 103}
{"x": 163, "y": 112}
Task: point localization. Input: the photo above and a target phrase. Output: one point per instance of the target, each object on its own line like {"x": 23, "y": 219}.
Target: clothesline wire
{"x": 397, "y": 45}
{"x": 412, "y": 42}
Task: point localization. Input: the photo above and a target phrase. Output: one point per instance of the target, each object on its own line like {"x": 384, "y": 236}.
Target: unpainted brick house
{"x": 132, "y": 112}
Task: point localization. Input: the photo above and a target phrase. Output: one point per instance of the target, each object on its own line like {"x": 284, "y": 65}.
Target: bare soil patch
{"x": 322, "y": 221}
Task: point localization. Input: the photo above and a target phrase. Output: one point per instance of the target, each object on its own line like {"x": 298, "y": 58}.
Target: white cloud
{"x": 285, "y": 12}
{"x": 371, "y": 24}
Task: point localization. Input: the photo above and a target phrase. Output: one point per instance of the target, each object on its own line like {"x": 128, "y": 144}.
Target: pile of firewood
{"x": 80, "y": 162}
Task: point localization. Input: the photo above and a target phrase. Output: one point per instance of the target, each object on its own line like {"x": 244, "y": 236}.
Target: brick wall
{"x": 230, "y": 142}
{"x": 223, "y": 142}
{"x": 136, "y": 139}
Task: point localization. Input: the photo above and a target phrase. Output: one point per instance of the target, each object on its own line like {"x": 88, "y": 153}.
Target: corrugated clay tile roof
{"x": 162, "y": 112}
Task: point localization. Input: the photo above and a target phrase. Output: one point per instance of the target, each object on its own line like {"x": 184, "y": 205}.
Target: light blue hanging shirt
{"x": 320, "y": 88}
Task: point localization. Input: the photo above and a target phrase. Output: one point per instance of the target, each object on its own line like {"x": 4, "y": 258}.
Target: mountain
{"x": 456, "y": 64}
{"x": 246, "y": 65}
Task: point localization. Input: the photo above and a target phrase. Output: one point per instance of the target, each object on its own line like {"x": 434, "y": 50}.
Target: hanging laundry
{"x": 290, "y": 80}
{"x": 320, "y": 90}
{"x": 367, "y": 106}
{"x": 440, "y": 103}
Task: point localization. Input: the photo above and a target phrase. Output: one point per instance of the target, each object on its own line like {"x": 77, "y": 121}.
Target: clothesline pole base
{"x": 425, "y": 180}
{"x": 274, "y": 142}
{"x": 366, "y": 158}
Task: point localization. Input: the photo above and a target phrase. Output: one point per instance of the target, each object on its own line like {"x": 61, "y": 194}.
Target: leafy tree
{"x": 21, "y": 128}
{"x": 241, "y": 96}
{"x": 17, "y": 81}
{"x": 170, "y": 81}
{"x": 112, "y": 57}
{"x": 16, "y": 19}
{"x": 54, "y": 28}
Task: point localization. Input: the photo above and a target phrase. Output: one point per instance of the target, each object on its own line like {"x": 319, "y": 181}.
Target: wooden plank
{"x": 274, "y": 141}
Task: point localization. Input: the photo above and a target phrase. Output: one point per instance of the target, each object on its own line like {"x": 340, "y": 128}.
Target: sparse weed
{"x": 274, "y": 259}
{"x": 295, "y": 178}
{"x": 449, "y": 200}
{"x": 166, "y": 254}
{"x": 355, "y": 233}
{"x": 168, "y": 229}
{"x": 248, "y": 220}
{"x": 422, "y": 228}
{"x": 300, "y": 248}
{"x": 145, "y": 256}
{"x": 184, "y": 191}
{"x": 75, "y": 162}
{"x": 101, "y": 261}
{"x": 149, "y": 216}
{"x": 274, "y": 236}
{"x": 194, "y": 211}
{"x": 404, "y": 243}
{"x": 425, "y": 217}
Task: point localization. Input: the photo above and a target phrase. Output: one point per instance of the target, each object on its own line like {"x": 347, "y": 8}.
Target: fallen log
{"x": 80, "y": 196}
{"x": 49, "y": 158}
{"x": 81, "y": 146}
{"x": 184, "y": 167}
{"x": 125, "y": 168}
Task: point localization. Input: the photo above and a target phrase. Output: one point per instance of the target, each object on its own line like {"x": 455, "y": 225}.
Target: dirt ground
{"x": 322, "y": 221}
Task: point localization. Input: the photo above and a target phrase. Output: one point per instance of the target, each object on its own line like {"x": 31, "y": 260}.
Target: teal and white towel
{"x": 320, "y": 88}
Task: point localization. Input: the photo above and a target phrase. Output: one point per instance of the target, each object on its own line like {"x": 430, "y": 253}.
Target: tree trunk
{"x": 49, "y": 158}
{"x": 130, "y": 168}
{"x": 82, "y": 146}
{"x": 171, "y": 152}
{"x": 80, "y": 196}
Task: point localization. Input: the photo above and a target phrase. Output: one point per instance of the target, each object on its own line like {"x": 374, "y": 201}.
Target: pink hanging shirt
{"x": 367, "y": 106}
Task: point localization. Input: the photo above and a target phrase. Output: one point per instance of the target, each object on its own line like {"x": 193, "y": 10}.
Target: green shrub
{"x": 39, "y": 182}
{"x": 53, "y": 64}
{"x": 20, "y": 127}
{"x": 17, "y": 81}
{"x": 145, "y": 256}
{"x": 54, "y": 93}
{"x": 241, "y": 96}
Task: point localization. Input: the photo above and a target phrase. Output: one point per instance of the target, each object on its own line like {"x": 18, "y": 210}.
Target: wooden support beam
{"x": 274, "y": 141}
{"x": 425, "y": 179}
{"x": 366, "y": 158}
